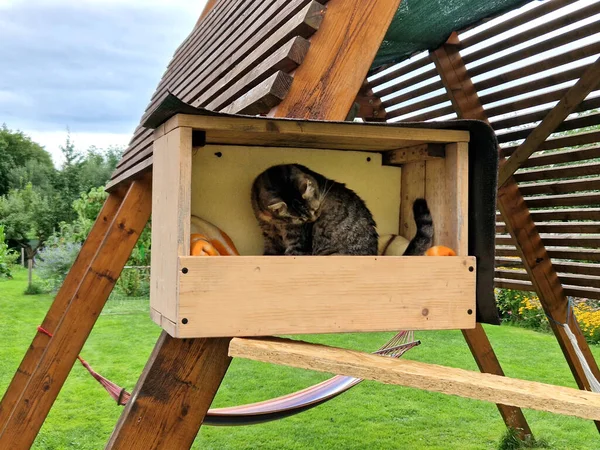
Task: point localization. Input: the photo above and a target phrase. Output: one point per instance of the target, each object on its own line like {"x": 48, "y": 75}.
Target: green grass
{"x": 370, "y": 416}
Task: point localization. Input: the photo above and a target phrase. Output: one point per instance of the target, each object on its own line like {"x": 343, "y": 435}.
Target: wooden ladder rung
{"x": 431, "y": 377}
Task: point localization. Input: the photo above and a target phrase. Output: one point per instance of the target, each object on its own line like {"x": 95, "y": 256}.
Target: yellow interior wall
{"x": 221, "y": 185}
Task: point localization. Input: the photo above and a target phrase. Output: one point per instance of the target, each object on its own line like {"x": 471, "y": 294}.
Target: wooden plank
{"x": 542, "y": 215}
{"x": 249, "y": 295}
{"x": 573, "y": 140}
{"x": 412, "y": 186}
{"x": 59, "y": 305}
{"x": 580, "y": 268}
{"x": 260, "y": 99}
{"x": 432, "y": 114}
{"x": 137, "y": 171}
{"x": 354, "y": 29}
{"x": 171, "y": 204}
{"x": 370, "y": 107}
{"x": 398, "y": 72}
{"x": 552, "y": 173}
{"x": 560, "y": 157}
{"x": 565, "y": 278}
{"x": 73, "y": 329}
{"x": 576, "y": 94}
{"x": 429, "y": 74}
{"x": 526, "y": 286}
{"x": 312, "y": 134}
{"x": 457, "y": 201}
{"x": 285, "y": 59}
{"x": 558, "y": 253}
{"x": 558, "y": 227}
{"x": 412, "y": 154}
{"x": 561, "y": 187}
{"x": 453, "y": 73}
{"x": 419, "y": 105}
{"x": 565, "y": 240}
{"x": 172, "y": 395}
{"x": 539, "y": 66}
{"x": 415, "y": 374}
{"x": 399, "y": 98}
{"x": 210, "y": 4}
{"x": 563, "y": 200}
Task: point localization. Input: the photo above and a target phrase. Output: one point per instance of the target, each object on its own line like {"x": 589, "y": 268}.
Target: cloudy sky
{"x": 86, "y": 65}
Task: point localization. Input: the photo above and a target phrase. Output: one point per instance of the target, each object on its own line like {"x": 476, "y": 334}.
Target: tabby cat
{"x": 301, "y": 212}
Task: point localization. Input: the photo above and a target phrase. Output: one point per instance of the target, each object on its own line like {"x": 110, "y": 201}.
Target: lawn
{"x": 370, "y": 416}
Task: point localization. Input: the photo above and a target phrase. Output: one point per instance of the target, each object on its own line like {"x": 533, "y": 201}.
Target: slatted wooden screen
{"x": 522, "y": 64}
{"x": 237, "y": 60}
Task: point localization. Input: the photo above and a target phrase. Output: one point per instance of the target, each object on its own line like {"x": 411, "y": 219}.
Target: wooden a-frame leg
{"x": 84, "y": 305}
{"x": 59, "y": 305}
{"x": 173, "y": 394}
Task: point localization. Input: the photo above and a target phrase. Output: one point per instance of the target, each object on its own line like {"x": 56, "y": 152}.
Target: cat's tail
{"x": 424, "y": 237}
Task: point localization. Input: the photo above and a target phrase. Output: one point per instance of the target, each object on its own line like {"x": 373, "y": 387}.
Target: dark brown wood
{"x": 325, "y": 85}
{"x": 576, "y": 94}
{"x": 570, "y": 171}
{"x": 263, "y": 97}
{"x": 561, "y": 187}
{"x": 417, "y": 78}
{"x": 573, "y": 291}
{"x": 558, "y": 227}
{"x": 73, "y": 328}
{"x": 173, "y": 394}
{"x": 577, "y": 268}
{"x": 433, "y": 114}
{"x": 407, "y": 68}
{"x": 285, "y": 59}
{"x": 564, "y": 214}
{"x": 579, "y": 254}
{"x": 550, "y": 25}
{"x": 589, "y": 137}
{"x": 566, "y": 156}
{"x": 528, "y": 102}
{"x": 465, "y": 101}
{"x": 539, "y": 66}
{"x": 563, "y": 200}
{"x": 59, "y": 305}
{"x": 565, "y": 278}
{"x": 399, "y": 98}
{"x": 370, "y": 107}
{"x": 422, "y": 104}
{"x": 560, "y": 240}
{"x": 413, "y": 154}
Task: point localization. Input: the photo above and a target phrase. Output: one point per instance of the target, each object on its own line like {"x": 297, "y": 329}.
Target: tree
{"x": 22, "y": 161}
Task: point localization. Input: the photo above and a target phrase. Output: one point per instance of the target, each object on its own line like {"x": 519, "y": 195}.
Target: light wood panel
{"x": 431, "y": 377}
{"x": 267, "y": 295}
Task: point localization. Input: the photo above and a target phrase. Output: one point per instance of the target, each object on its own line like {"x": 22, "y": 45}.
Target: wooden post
{"x": 517, "y": 217}
{"x": 22, "y": 257}
{"x": 466, "y": 102}
{"x": 29, "y": 272}
{"x": 72, "y": 330}
{"x": 59, "y": 306}
{"x": 173, "y": 394}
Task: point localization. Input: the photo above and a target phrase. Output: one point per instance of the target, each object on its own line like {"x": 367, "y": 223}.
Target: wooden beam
{"x": 368, "y": 105}
{"x": 465, "y": 101}
{"x": 210, "y": 4}
{"x": 88, "y": 298}
{"x": 173, "y": 394}
{"x": 430, "y": 377}
{"x": 340, "y": 55}
{"x": 421, "y": 152}
{"x": 574, "y": 96}
{"x": 59, "y": 305}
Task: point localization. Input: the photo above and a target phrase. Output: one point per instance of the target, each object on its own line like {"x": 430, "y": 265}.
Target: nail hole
{"x": 218, "y": 154}
{"x": 471, "y": 268}
{"x": 368, "y": 159}
{"x": 184, "y": 321}
{"x": 469, "y": 311}
{"x": 184, "y": 270}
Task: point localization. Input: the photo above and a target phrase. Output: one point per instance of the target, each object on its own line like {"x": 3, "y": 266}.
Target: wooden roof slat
{"x": 551, "y": 173}
{"x": 579, "y": 254}
{"x": 536, "y": 49}
{"x": 410, "y": 67}
{"x": 539, "y": 66}
{"x": 513, "y": 22}
{"x": 263, "y": 97}
{"x": 532, "y": 33}
{"x": 564, "y": 214}
{"x": 513, "y": 121}
{"x": 430, "y": 73}
{"x": 398, "y": 99}
{"x": 577, "y": 268}
{"x": 565, "y": 278}
{"x": 439, "y": 112}
{"x": 588, "y": 137}
{"x": 527, "y": 286}
{"x": 560, "y": 157}
{"x": 561, "y": 187}
{"x": 563, "y": 200}
{"x": 559, "y": 240}
{"x": 285, "y": 59}
{"x": 527, "y": 102}
{"x": 431, "y": 101}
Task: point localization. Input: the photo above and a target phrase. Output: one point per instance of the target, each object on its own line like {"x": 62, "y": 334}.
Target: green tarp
{"x": 426, "y": 24}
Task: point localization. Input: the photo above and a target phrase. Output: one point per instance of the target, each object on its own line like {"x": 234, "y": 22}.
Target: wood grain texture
{"x": 73, "y": 329}
{"x": 414, "y": 153}
{"x": 412, "y": 186}
{"x": 340, "y": 56}
{"x": 250, "y": 295}
{"x": 457, "y": 192}
{"x": 173, "y": 394}
{"x": 260, "y": 99}
{"x": 59, "y": 305}
{"x": 431, "y": 377}
{"x": 171, "y": 217}
{"x": 575, "y": 95}
{"x": 452, "y": 71}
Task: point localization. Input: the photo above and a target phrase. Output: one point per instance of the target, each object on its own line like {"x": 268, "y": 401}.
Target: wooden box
{"x": 205, "y": 165}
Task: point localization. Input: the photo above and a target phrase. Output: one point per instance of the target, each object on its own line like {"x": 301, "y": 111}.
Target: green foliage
{"x": 22, "y": 161}
{"x": 34, "y": 289}
{"x": 511, "y": 441}
{"x": 134, "y": 282}
{"x": 521, "y": 308}
{"x": 54, "y": 262}
{"x": 7, "y": 256}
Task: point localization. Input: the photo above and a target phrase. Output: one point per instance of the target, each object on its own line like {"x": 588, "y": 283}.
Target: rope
{"x": 589, "y": 375}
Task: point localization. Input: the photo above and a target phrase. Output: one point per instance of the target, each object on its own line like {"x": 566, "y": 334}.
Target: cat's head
{"x": 286, "y": 193}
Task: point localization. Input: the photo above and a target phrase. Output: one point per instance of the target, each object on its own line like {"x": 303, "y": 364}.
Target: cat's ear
{"x": 307, "y": 187}
{"x": 279, "y": 208}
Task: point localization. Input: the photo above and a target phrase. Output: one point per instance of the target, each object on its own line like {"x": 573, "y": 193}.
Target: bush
{"x": 34, "y": 289}
{"x": 8, "y": 257}
{"x": 55, "y": 261}
{"x": 134, "y": 282}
